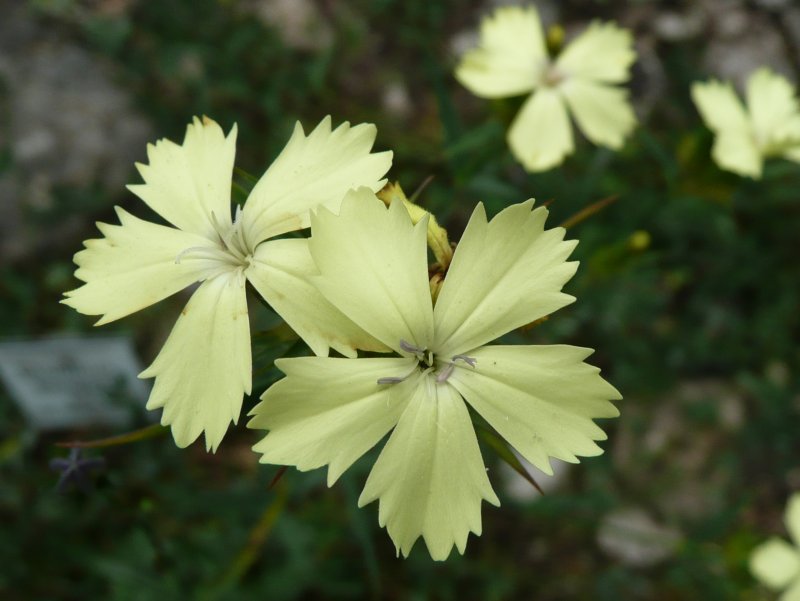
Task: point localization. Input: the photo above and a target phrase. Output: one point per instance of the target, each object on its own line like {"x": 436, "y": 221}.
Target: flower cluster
{"x": 512, "y": 59}
{"x": 358, "y": 283}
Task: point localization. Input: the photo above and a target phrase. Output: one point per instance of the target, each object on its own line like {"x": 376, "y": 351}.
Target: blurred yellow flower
{"x": 776, "y": 563}
{"x": 430, "y": 476}
{"x": 768, "y": 127}
{"x": 204, "y": 368}
{"x": 512, "y": 59}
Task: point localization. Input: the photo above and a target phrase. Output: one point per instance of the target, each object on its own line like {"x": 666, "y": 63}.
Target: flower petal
{"x": 430, "y": 477}
{"x": 734, "y": 146}
{"x": 281, "y": 272}
{"x": 735, "y": 151}
{"x": 541, "y": 136}
{"x": 792, "y": 593}
{"x": 510, "y": 57}
{"x": 541, "y": 399}
{"x": 603, "y": 53}
{"x": 603, "y": 113}
{"x": 775, "y": 563}
{"x": 792, "y": 154}
{"x": 505, "y": 274}
{"x": 374, "y": 267}
{"x": 329, "y": 411}
{"x": 134, "y": 266}
{"x": 313, "y": 171}
{"x": 719, "y": 106}
{"x": 773, "y": 108}
{"x": 205, "y": 367}
{"x": 189, "y": 185}
{"x": 792, "y": 518}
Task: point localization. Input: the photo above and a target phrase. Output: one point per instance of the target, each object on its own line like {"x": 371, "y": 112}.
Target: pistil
{"x": 232, "y": 249}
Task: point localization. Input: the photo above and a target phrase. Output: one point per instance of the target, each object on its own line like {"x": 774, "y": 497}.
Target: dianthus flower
{"x": 512, "y": 59}
{"x": 768, "y": 127}
{"x": 204, "y": 368}
{"x": 776, "y": 563}
{"x": 430, "y": 476}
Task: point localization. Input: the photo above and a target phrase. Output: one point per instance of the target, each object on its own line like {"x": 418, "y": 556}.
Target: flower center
{"x": 427, "y": 361}
{"x": 231, "y": 250}
{"x": 553, "y": 76}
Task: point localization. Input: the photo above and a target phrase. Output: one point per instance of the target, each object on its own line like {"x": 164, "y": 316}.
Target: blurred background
{"x": 689, "y": 289}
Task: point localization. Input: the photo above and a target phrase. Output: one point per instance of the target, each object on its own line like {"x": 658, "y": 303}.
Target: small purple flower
{"x": 75, "y": 469}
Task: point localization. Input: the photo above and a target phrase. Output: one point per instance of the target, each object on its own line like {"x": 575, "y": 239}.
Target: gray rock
{"x": 634, "y": 538}
{"x": 740, "y": 42}
{"x": 675, "y": 26}
{"x": 71, "y": 125}
{"x": 61, "y": 383}
{"x": 300, "y": 23}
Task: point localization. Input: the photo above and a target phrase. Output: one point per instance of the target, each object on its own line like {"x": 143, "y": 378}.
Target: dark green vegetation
{"x": 689, "y": 289}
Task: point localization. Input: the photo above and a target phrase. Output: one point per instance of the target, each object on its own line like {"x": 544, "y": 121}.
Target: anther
{"x": 396, "y": 379}
{"x": 445, "y": 373}
{"x": 419, "y": 353}
{"x": 390, "y": 380}
{"x": 471, "y": 361}
{"x": 448, "y": 370}
{"x": 410, "y": 348}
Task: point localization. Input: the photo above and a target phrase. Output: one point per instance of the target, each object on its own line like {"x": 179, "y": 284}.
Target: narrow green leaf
{"x": 248, "y": 177}
{"x": 504, "y": 452}
{"x": 112, "y": 441}
{"x": 247, "y": 556}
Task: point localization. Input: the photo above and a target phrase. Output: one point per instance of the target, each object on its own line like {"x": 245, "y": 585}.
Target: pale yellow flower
{"x": 512, "y": 60}
{"x": 430, "y": 477}
{"x": 776, "y": 563}
{"x": 768, "y": 127}
{"x": 204, "y": 368}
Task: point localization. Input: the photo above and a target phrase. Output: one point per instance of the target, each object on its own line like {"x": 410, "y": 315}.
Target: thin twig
{"x": 111, "y": 441}
{"x": 587, "y": 212}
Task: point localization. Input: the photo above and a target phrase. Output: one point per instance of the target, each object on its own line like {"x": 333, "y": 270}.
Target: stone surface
{"x": 742, "y": 40}
{"x": 71, "y": 126}
{"x": 62, "y": 383}
{"x": 300, "y": 23}
{"x": 633, "y": 537}
{"x": 396, "y": 100}
{"x": 677, "y": 26}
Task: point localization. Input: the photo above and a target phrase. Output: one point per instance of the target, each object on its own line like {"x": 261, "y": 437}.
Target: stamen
{"x": 471, "y": 361}
{"x": 210, "y": 253}
{"x": 391, "y": 380}
{"x": 410, "y": 348}
{"x": 448, "y": 370}
{"x": 396, "y": 379}
{"x": 232, "y": 237}
{"x": 217, "y": 226}
{"x": 445, "y": 373}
